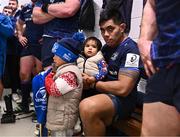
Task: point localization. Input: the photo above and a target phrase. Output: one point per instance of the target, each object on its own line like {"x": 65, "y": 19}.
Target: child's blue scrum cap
{"x": 68, "y": 49}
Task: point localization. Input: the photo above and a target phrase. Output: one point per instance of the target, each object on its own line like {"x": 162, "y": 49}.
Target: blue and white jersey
{"x": 165, "y": 49}
{"x": 33, "y": 32}
{"x": 124, "y": 56}
{"x": 60, "y": 27}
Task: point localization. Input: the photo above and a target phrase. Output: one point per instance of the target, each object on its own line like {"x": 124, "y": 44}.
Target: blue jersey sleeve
{"x": 131, "y": 58}
{"x": 102, "y": 66}
{"x": 39, "y": 3}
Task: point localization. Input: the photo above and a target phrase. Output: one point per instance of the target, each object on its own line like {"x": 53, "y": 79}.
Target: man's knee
{"x": 87, "y": 109}
{"x": 24, "y": 76}
{"x": 164, "y": 122}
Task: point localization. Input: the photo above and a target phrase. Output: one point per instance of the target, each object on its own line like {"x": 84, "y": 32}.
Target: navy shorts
{"x": 123, "y": 106}
{"x": 33, "y": 49}
{"x": 164, "y": 86}
{"x": 46, "y": 53}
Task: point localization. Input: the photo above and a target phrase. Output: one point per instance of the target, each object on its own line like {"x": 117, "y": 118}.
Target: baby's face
{"x": 90, "y": 48}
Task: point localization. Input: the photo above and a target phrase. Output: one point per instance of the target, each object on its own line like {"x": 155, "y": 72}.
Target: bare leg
{"x": 160, "y": 119}
{"x": 38, "y": 66}
{"x": 26, "y": 66}
{"x": 96, "y": 113}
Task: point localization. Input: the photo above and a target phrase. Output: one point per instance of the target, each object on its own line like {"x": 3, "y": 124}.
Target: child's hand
{"x": 91, "y": 80}
{"x": 85, "y": 76}
{"x": 86, "y": 85}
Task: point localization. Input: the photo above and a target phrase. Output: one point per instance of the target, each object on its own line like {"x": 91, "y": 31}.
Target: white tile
{"x": 135, "y": 28}
{"x": 137, "y": 8}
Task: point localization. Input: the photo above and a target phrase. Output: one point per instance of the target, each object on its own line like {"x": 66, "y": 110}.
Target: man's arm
{"x": 121, "y": 87}
{"x": 148, "y": 23}
{"x": 40, "y": 17}
{"x": 147, "y": 34}
{"x": 20, "y": 30}
{"x": 64, "y": 9}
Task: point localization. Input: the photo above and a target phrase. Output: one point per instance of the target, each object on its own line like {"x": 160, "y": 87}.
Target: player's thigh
{"x": 100, "y": 105}
{"x": 160, "y": 119}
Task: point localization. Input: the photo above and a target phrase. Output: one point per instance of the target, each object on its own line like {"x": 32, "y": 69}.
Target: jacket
{"x": 64, "y": 97}
{"x": 93, "y": 66}
{"x": 6, "y": 30}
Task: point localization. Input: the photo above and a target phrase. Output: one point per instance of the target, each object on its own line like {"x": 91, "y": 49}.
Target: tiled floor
{"x": 21, "y": 128}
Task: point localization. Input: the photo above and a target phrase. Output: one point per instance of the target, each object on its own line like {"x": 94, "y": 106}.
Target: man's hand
{"x": 88, "y": 81}
{"x": 86, "y": 85}
{"x": 91, "y": 80}
{"x": 40, "y": 41}
{"x": 144, "y": 48}
{"x": 23, "y": 40}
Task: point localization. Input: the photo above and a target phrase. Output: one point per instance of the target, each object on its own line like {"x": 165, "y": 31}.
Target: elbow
{"x": 70, "y": 12}
{"x": 124, "y": 92}
{"x": 67, "y": 13}
{"x": 36, "y": 21}
{"x": 36, "y": 16}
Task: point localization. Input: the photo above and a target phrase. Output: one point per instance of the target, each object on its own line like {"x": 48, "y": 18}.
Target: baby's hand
{"x": 91, "y": 80}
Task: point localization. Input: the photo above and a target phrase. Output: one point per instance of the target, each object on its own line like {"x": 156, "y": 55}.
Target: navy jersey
{"x": 165, "y": 49}
{"x": 33, "y": 32}
{"x": 60, "y": 27}
{"x": 124, "y": 56}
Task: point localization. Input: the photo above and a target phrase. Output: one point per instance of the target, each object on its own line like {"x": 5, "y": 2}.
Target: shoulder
{"x": 130, "y": 46}
{"x": 99, "y": 56}
{"x": 27, "y": 6}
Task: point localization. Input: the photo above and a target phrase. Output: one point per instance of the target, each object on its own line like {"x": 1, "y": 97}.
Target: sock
{"x": 25, "y": 91}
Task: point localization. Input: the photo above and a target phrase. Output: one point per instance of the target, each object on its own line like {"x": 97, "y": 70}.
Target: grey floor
{"x": 22, "y": 127}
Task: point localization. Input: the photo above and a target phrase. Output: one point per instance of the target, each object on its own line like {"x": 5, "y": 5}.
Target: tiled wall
{"x": 136, "y": 19}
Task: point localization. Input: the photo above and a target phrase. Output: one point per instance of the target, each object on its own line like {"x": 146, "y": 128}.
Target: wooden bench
{"x": 132, "y": 125}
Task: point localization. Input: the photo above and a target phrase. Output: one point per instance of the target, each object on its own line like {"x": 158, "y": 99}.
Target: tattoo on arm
{"x": 130, "y": 73}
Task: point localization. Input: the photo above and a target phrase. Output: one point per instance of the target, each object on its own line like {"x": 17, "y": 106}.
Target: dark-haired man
{"x": 14, "y": 5}
{"x": 117, "y": 98}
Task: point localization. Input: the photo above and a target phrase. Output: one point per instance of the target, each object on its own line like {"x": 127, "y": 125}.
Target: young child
{"x": 92, "y": 62}
{"x": 64, "y": 86}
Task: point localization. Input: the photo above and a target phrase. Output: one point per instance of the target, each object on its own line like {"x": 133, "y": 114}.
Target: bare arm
{"x": 64, "y": 9}
{"x": 147, "y": 34}
{"x": 121, "y": 87}
{"x": 20, "y": 30}
{"x": 148, "y": 24}
{"x": 40, "y": 17}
